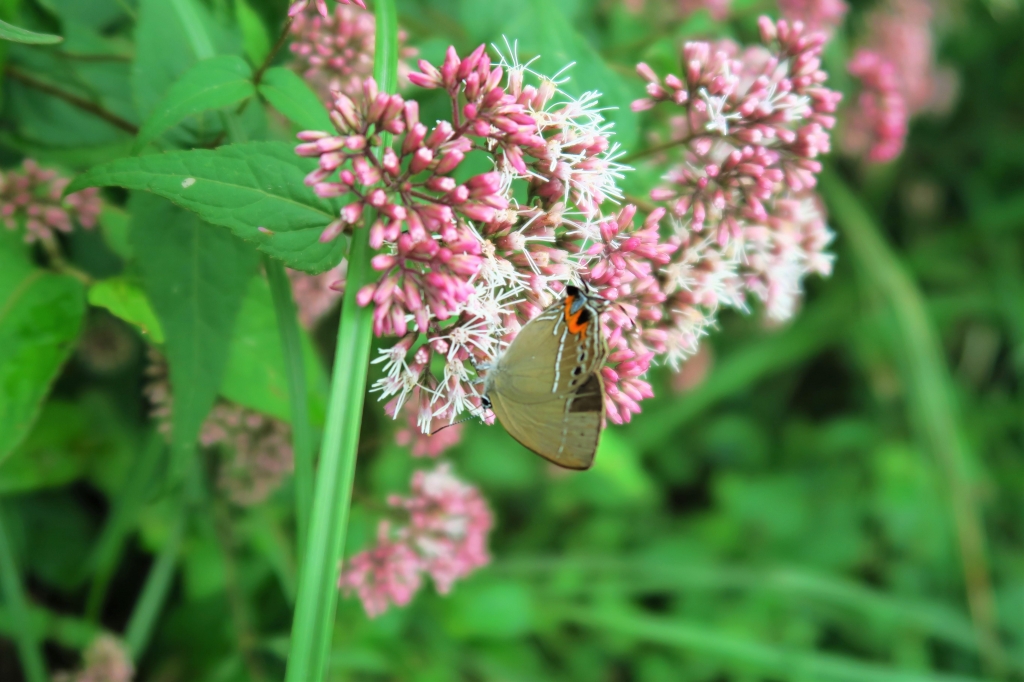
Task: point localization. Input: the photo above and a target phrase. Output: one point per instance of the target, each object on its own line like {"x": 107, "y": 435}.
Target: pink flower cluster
{"x": 32, "y": 197}
{"x": 816, "y": 15}
{"x": 748, "y": 223}
{"x": 879, "y": 122}
{"x": 335, "y": 51}
{"x": 316, "y": 295}
{"x": 464, "y": 262}
{"x": 257, "y": 452}
{"x": 320, "y": 5}
{"x": 899, "y": 79}
{"x": 445, "y": 538}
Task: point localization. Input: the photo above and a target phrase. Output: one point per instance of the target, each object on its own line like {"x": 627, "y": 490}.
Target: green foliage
{"x": 16, "y": 34}
{"x": 126, "y": 300}
{"x": 211, "y": 84}
{"x": 819, "y": 506}
{"x": 40, "y": 316}
{"x": 243, "y": 187}
{"x": 196, "y": 276}
{"x": 290, "y": 95}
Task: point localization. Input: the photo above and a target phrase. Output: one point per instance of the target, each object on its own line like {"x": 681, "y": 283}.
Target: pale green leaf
{"x": 16, "y": 34}
{"x": 126, "y": 300}
{"x": 40, "y": 317}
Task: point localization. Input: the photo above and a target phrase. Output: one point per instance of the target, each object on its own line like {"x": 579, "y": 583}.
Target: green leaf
{"x": 40, "y": 317}
{"x": 210, "y": 84}
{"x": 60, "y": 448}
{"x": 255, "y": 375}
{"x": 196, "y": 277}
{"x": 126, "y": 300}
{"x": 167, "y": 34}
{"x": 255, "y": 37}
{"x": 290, "y": 95}
{"x": 243, "y": 187}
{"x": 16, "y": 34}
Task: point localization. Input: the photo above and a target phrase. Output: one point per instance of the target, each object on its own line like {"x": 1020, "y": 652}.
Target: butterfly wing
{"x": 570, "y": 441}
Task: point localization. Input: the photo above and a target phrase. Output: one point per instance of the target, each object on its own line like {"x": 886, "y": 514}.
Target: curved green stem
{"x": 932, "y": 404}
{"x": 154, "y": 592}
{"x": 31, "y": 655}
{"x": 318, "y": 596}
{"x": 302, "y": 434}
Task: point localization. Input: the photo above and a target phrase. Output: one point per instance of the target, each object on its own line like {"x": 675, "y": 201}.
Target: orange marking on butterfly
{"x": 572, "y": 319}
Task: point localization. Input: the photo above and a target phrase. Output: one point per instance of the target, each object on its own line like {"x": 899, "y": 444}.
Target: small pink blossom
{"x": 752, "y": 126}
{"x": 32, "y": 197}
{"x": 816, "y": 15}
{"x": 449, "y": 525}
{"x": 899, "y": 79}
{"x": 335, "y": 51}
{"x": 389, "y": 573}
{"x": 879, "y": 123}
{"x": 446, "y": 538}
{"x": 257, "y": 452}
{"x": 316, "y": 295}
{"x": 321, "y": 6}
{"x": 105, "y": 660}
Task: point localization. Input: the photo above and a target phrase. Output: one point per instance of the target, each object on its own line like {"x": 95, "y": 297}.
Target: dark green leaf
{"x": 210, "y": 84}
{"x": 243, "y": 187}
{"x": 40, "y": 316}
{"x": 290, "y": 95}
{"x": 255, "y": 374}
{"x": 196, "y": 276}
{"x": 16, "y": 34}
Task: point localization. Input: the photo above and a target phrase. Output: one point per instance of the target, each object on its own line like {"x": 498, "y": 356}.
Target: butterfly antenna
{"x": 466, "y": 419}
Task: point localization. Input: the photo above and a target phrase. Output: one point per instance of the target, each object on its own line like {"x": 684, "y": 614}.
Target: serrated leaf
{"x": 255, "y": 375}
{"x": 255, "y": 38}
{"x": 126, "y": 300}
{"x": 290, "y": 95}
{"x": 196, "y": 277}
{"x": 210, "y": 84}
{"x": 16, "y": 34}
{"x": 242, "y": 187}
{"x": 40, "y": 317}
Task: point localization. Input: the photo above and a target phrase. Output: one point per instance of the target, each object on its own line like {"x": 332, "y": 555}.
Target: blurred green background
{"x": 837, "y": 499}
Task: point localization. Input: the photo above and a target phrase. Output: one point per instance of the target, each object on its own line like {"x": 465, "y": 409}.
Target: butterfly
{"x": 546, "y": 388}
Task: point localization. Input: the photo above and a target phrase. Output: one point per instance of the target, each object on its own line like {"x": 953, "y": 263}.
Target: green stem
{"x": 318, "y": 596}
{"x": 302, "y": 433}
{"x": 155, "y": 591}
{"x": 107, "y": 550}
{"x": 31, "y": 655}
{"x": 932, "y": 405}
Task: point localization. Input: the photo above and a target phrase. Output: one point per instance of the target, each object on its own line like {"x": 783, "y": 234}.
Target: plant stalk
{"x": 32, "y": 662}
{"x": 154, "y": 592}
{"x": 317, "y": 600}
{"x": 295, "y": 369}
